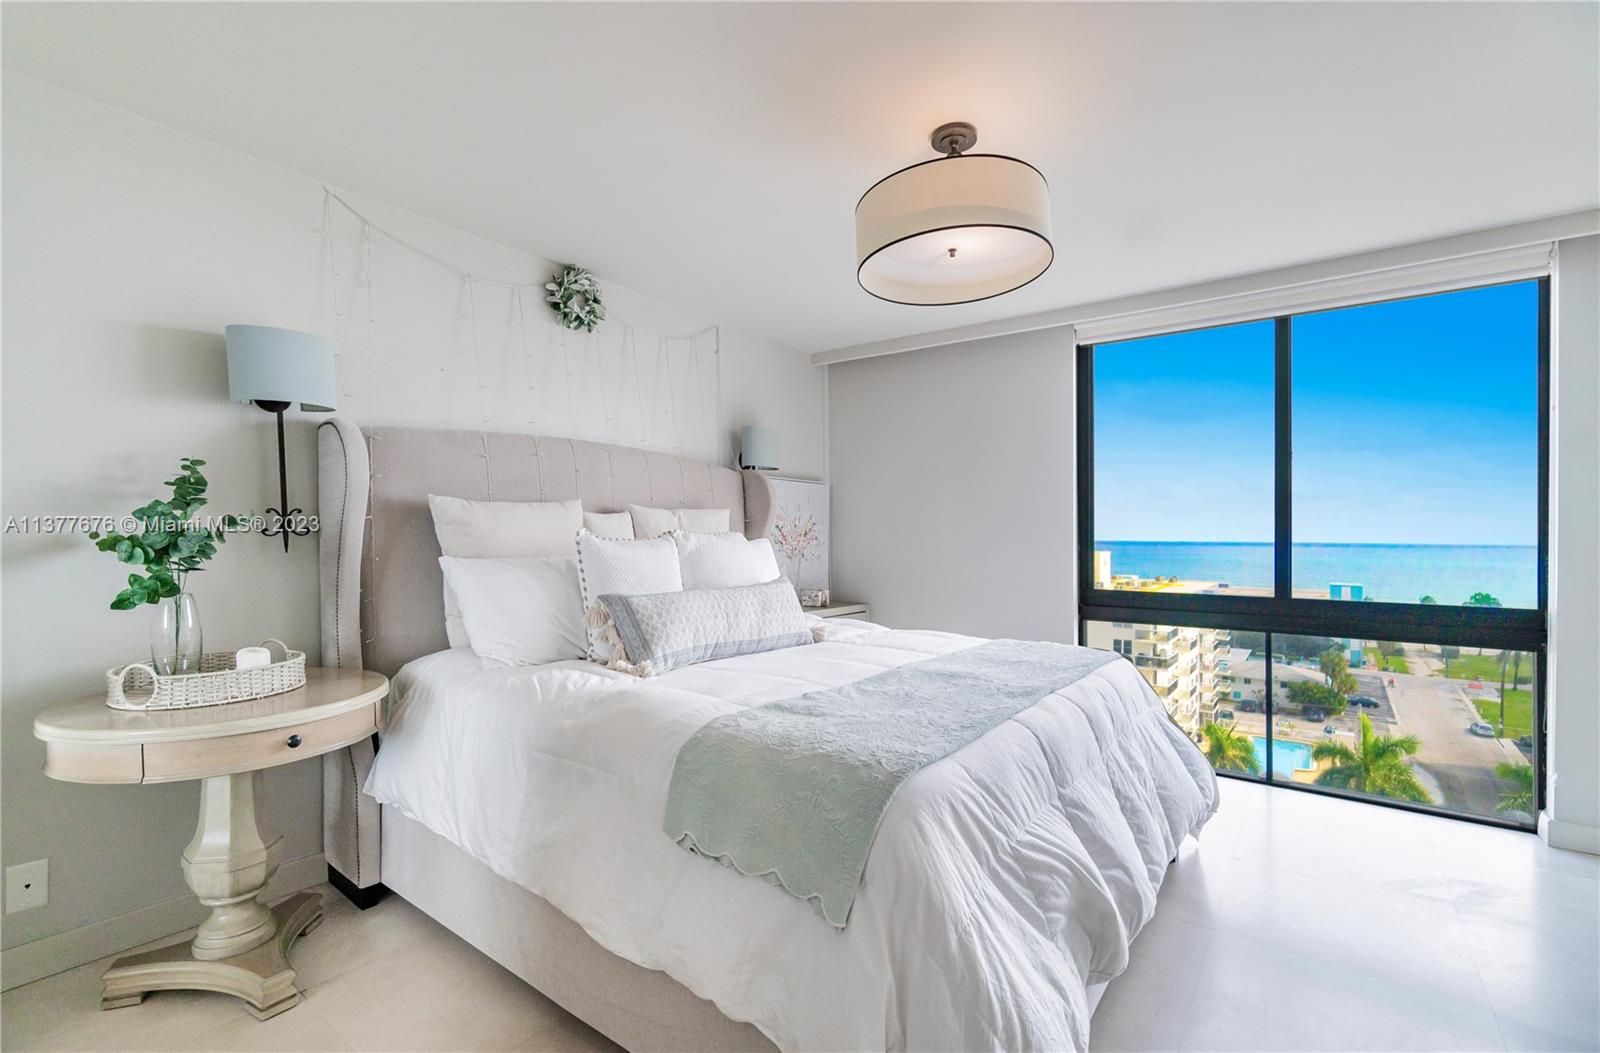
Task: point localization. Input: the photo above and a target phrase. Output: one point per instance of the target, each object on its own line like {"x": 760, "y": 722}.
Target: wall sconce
{"x": 274, "y": 368}
{"x": 758, "y": 448}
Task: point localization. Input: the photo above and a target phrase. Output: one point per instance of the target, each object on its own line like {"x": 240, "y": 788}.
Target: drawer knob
{"x": 294, "y": 741}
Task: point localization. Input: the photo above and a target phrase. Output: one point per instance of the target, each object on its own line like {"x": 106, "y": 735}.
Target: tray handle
{"x": 138, "y": 703}
{"x": 278, "y": 649}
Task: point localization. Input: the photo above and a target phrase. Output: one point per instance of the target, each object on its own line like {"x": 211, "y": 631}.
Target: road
{"x": 1462, "y": 764}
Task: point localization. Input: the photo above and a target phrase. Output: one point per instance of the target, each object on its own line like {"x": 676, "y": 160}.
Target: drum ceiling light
{"x": 955, "y": 229}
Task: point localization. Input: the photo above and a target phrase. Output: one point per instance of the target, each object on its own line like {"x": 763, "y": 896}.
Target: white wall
{"x": 127, "y": 248}
{"x": 1572, "y": 819}
{"x": 953, "y": 486}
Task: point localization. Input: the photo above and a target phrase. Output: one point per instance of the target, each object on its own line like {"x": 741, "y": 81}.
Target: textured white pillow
{"x": 721, "y": 561}
{"x": 609, "y": 524}
{"x": 499, "y": 530}
{"x": 653, "y": 522}
{"x": 519, "y": 611}
{"x": 614, "y": 566}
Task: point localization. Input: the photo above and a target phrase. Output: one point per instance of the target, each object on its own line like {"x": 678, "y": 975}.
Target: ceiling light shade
{"x": 959, "y": 228}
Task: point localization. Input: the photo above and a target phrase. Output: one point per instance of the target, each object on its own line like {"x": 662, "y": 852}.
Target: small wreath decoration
{"x": 575, "y": 298}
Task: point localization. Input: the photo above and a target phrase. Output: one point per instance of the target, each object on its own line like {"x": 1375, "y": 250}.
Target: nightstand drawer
{"x": 198, "y": 758}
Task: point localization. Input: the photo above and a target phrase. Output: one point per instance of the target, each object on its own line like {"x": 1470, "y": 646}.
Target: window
{"x": 1416, "y": 430}
{"x": 1354, "y": 500}
{"x": 1184, "y": 443}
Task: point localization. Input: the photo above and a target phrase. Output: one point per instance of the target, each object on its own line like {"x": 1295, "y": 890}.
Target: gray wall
{"x": 953, "y": 482}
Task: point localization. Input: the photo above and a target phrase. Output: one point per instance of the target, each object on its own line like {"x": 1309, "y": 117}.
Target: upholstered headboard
{"x": 382, "y": 590}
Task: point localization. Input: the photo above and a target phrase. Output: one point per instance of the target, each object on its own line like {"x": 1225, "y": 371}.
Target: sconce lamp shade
{"x": 266, "y": 364}
{"x": 758, "y": 448}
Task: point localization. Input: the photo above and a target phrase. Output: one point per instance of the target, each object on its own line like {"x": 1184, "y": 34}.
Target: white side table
{"x": 857, "y": 611}
{"x": 242, "y": 949}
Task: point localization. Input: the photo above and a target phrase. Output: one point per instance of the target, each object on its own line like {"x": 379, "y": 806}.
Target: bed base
{"x": 639, "y": 1009}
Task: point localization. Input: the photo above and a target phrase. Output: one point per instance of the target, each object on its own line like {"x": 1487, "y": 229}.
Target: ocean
{"x": 1397, "y": 573}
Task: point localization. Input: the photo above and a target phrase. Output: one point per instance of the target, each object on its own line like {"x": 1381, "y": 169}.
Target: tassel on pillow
{"x": 599, "y": 619}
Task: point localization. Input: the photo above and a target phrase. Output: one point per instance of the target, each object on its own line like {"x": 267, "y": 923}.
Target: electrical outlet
{"x": 27, "y": 885}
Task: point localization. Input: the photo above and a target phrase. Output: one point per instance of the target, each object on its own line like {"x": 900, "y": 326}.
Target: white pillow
{"x": 721, "y": 561}
{"x": 614, "y": 566}
{"x": 609, "y": 524}
{"x": 519, "y": 611}
{"x": 766, "y": 559}
{"x": 499, "y": 530}
{"x": 653, "y": 522}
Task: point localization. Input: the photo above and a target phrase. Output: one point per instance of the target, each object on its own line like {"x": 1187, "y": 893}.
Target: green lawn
{"x": 1486, "y": 667}
{"x": 1389, "y": 664}
{"x": 1519, "y": 711}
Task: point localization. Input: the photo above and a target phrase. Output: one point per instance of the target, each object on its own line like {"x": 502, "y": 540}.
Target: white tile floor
{"x": 1296, "y": 922}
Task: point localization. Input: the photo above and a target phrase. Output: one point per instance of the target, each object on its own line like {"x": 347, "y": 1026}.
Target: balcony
{"x": 1165, "y": 634}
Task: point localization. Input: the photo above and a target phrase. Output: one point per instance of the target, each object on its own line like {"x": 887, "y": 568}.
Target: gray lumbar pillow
{"x": 671, "y": 629}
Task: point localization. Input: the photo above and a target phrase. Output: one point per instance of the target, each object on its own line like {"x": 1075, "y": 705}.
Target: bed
{"x": 522, "y": 807}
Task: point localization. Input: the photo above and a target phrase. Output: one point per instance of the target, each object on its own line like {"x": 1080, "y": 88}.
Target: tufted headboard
{"x": 382, "y": 590}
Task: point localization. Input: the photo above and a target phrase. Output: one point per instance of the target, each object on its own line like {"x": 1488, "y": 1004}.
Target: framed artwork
{"x": 800, "y": 531}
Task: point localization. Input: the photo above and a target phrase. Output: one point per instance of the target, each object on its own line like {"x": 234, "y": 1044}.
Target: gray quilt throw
{"x": 793, "y": 791}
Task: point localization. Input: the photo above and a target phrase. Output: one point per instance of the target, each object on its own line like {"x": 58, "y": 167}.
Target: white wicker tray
{"x": 138, "y": 686}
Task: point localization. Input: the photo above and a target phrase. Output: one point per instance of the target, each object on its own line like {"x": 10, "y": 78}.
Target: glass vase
{"x": 175, "y": 644}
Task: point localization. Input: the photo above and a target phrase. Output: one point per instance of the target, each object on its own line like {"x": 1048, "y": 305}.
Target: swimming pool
{"x": 1286, "y": 756}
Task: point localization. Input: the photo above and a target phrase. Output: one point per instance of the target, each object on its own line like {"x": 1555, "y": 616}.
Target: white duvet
{"x": 1005, "y": 879}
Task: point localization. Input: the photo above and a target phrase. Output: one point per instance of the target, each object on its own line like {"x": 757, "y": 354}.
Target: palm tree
{"x": 1377, "y": 765}
{"x": 1520, "y": 797}
{"x": 1230, "y": 751}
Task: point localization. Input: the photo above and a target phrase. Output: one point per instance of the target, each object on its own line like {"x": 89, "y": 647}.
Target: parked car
{"x": 1225, "y": 714}
{"x": 1248, "y": 706}
{"x": 1315, "y": 715}
{"x": 1481, "y": 728}
{"x": 1363, "y": 701}
{"x": 1327, "y": 729}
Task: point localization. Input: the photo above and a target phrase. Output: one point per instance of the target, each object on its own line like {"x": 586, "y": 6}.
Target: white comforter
{"x": 1005, "y": 879}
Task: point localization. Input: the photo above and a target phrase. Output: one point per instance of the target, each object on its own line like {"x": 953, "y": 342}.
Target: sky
{"x": 1415, "y": 422}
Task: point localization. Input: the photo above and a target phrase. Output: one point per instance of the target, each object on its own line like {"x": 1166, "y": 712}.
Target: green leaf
{"x": 127, "y": 600}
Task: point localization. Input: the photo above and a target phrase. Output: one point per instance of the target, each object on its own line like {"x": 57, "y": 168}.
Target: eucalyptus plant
{"x": 169, "y": 543}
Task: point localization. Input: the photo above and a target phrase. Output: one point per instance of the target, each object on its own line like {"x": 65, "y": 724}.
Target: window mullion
{"x": 1283, "y": 461}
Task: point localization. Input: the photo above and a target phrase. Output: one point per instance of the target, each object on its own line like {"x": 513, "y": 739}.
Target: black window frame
{"x": 1520, "y": 629}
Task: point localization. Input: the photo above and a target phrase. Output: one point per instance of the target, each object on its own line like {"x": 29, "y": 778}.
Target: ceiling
{"x": 711, "y": 155}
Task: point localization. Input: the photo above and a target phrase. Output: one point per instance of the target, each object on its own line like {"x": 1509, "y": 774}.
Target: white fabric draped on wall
{"x": 457, "y": 346}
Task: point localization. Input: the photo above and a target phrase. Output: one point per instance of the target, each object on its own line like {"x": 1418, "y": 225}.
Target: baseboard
{"x": 32, "y": 961}
{"x": 1576, "y": 837}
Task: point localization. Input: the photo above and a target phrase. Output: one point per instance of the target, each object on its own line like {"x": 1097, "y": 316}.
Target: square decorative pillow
{"x": 519, "y": 611}
{"x": 499, "y": 530}
{"x": 608, "y": 524}
{"x": 631, "y": 567}
{"x": 662, "y": 632}
{"x": 722, "y": 561}
{"x": 653, "y": 522}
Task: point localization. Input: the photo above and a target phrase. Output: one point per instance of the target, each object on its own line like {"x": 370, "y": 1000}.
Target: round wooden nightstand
{"x": 243, "y": 947}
